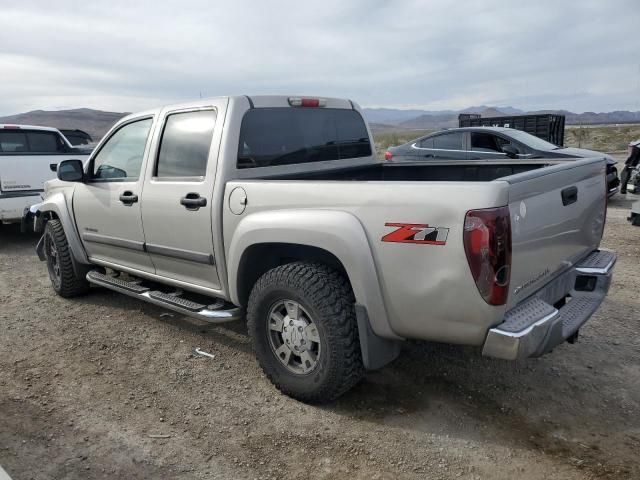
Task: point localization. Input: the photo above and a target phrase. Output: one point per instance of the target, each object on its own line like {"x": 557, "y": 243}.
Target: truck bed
{"x": 547, "y": 236}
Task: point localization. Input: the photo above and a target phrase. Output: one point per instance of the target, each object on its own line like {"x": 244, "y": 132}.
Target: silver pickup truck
{"x": 276, "y": 208}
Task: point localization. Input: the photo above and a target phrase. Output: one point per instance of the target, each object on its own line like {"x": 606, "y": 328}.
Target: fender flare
{"x": 60, "y": 204}
{"x": 337, "y": 232}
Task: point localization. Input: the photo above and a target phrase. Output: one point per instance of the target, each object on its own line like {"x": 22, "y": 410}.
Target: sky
{"x": 132, "y": 55}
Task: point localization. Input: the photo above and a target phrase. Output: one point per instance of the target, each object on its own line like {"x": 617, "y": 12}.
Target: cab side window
{"x": 120, "y": 158}
{"x": 184, "y": 147}
{"x": 45, "y": 142}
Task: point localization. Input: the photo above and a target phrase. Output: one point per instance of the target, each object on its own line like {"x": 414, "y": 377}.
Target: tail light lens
{"x": 487, "y": 243}
{"x": 387, "y": 155}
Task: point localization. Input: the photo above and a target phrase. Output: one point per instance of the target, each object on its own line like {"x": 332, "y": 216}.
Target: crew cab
{"x": 494, "y": 144}
{"x": 28, "y": 157}
{"x": 276, "y": 208}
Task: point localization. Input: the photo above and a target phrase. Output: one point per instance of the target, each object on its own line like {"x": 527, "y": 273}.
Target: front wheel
{"x": 302, "y": 323}
{"x": 64, "y": 279}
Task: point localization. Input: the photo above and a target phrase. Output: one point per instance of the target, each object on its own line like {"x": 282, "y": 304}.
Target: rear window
{"x": 286, "y": 136}
{"x": 448, "y": 141}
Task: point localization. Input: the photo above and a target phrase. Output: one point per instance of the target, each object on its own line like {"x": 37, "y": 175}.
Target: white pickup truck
{"x": 28, "y": 158}
{"x": 276, "y": 206}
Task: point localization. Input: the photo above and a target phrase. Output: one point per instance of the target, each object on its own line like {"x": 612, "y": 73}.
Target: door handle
{"x": 193, "y": 201}
{"x": 128, "y": 198}
{"x": 569, "y": 195}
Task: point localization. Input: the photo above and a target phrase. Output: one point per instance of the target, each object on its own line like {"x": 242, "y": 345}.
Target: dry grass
{"x": 603, "y": 138}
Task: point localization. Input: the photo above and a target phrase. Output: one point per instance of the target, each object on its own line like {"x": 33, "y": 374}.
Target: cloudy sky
{"x": 581, "y": 55}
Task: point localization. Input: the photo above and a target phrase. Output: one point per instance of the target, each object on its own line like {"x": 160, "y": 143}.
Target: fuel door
{"x": 237, "y": 201}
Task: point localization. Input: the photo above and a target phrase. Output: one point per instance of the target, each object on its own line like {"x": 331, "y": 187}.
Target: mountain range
{"x": 383, "y": 119}
{"x": 98, "y": 122}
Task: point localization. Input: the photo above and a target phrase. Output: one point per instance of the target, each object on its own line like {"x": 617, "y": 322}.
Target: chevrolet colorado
{"x": 276, "y": 206}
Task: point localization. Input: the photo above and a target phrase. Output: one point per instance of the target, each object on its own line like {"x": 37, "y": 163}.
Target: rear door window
{"x": 426, "y": 143}
{"x": 285, "y": 136}
{"x": 448, "y": 141}
{"x": 185, "y": 144}
{"x": 45, "y": 142}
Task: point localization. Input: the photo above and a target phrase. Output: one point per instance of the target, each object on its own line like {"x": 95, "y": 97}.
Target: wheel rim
{"x": 53, "y": 260}
{"x": 293, "y": 337}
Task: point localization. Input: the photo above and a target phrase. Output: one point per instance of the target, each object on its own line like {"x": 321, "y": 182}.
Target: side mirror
{"x": 510, "y": 151}
{"x": 70, "y": 171}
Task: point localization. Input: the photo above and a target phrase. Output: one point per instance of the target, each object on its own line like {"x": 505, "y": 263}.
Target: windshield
{"x": 531, "y": 140}
{"x": 285, "y": 136}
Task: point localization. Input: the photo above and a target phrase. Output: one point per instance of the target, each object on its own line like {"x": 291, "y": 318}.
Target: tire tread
{"x": 331, "y": 294}
{"x": 71, "y": 285}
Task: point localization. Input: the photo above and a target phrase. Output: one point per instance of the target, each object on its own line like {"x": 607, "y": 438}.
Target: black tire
{"x": 327, "y": 297}
{"x": 64, "y": 279}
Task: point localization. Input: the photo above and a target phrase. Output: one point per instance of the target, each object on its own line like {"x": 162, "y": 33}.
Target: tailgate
{"x": 557, "y": 216}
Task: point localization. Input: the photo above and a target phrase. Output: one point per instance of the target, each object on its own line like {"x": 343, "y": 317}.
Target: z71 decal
{"x": 416, "y": 233}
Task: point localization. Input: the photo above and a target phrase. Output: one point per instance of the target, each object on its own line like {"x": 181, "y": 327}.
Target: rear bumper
{"x": 535, "y": 326}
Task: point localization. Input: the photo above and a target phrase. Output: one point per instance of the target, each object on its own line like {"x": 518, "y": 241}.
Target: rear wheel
{"x": 302, "y": 323}
{"x": 64, "y": 279}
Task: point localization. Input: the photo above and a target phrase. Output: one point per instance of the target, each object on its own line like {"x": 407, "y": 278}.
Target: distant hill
{"x": 394, "y": 116}
{"x": 500, "y": 110}
{"x": 593, "y": 118}
{"x": 95, "y": 122}
{"x": 427, "y": 119}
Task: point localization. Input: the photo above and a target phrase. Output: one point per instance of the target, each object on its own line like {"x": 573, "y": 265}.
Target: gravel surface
{"x": 105, "y": 386}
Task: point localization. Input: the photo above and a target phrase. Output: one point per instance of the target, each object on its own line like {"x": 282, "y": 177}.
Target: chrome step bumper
{"x": 534, "y": 327}
{"x": 219, "y": 312}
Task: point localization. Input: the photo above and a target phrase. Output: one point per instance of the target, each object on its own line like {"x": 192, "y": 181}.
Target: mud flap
{"x": 376, "y": 351}
{"x": 40, "y": 249}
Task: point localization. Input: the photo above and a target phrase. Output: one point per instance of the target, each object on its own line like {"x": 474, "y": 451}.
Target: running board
{"x": 217, "y": 312}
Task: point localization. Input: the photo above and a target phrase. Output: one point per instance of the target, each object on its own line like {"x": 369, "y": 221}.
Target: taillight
{"x": 307, "y": 102}
{"x": 487, "y": 243}
{"x": 387, "y": 155}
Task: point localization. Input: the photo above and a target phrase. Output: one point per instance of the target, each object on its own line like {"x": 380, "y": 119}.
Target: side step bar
{"x": 218, "y": 312}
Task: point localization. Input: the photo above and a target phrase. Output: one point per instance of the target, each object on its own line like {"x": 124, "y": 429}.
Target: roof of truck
{"x": 16, "y": 126}
{"x": 255, "y": 101}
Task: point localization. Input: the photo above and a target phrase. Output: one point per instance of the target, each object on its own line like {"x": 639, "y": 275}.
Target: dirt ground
{"x": 107, "y": 387}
